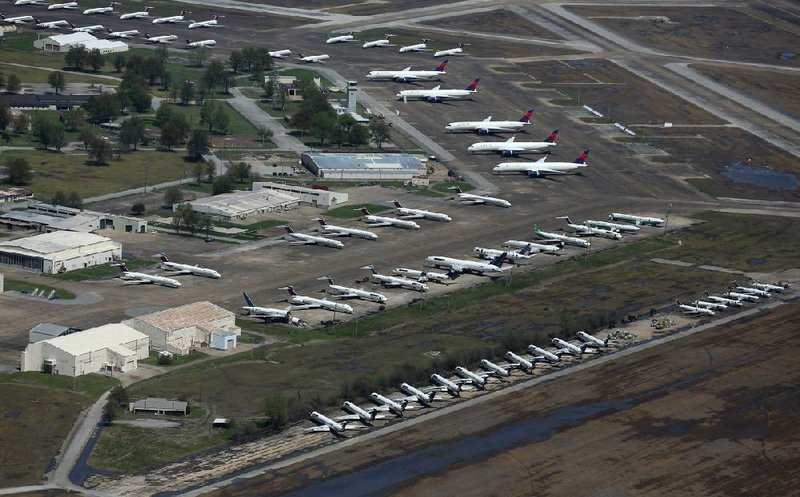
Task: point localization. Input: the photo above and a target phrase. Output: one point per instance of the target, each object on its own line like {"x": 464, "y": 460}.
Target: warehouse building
{"x": 109, "y": 348}
{"x": 238, "y": 206}
{"x": 103, "y": 221}
{"x": 370, "y": 167}
{"x": 46, "y": 331}
{"x": 59, "y": 252}
{"x": 313, "y": 196}
{"x": 159, "y": 406}
{"x": 62, "y": 43}
{"x": 46, "y": 223}
{"x": 181, "y": 329}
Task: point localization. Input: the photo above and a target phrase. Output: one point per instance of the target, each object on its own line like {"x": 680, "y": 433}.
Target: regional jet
{"x": 136, "y": 15}
{"x": 583, "y": 230}
{"x": 724, "y": 300}
{"x": 270, "y": 314}
{"x": 16, "y": 20}
{"x": 358, "y": 414}
{"x": 397, "y": 281}
{"x": 344, "y": 292}
{"x": 422, "y": 275}
{"x": 301, "y": 302}
{"x": 565, "y": 347}
{"x": 419, "y": 47}
{"x": 443, "y": 384}
{"x": 487, "y": 126}
{"x": 495, "y": 369}
{"x": 314, "y": 59}
{"x": 533, "y": 247}
{"x": 168, "y": 265}
{"x": 201, "y": 43}
{"x": 280, "y": 54}
{"x": 384, "y": 42}
{"x": 478, "y": 380}
{"x": 390, "y": 405}
{"x": 100, "y": 10}
{"x": 519, "y": 362}
{"x": 333, "y": 230}
{"x": 341, "y": 38}
{"x": 768, "y": 287}
{"x": 304, "y": 239}
{"x": 511, "y": 147}
{"x": 630, "y": 228}
{"x": 407, "y": 75}
{"x": 146, "y": 279}
{"x": 693, "y": 309}
{"x": 511, "y": 255}
{"x": 417, "y": 395}
{"x": 327, "y": 424}
{"x": 540, "y": 354}
{"x": 171, "y": 19}
{"x": 30, "y": 2}
{"x": 459, "y": 266}
{"x": 159, "y": 39}
{"x": 637, "y": 220}
{"x": 717, "y": 306}
{"x": 557, "y": 237}
{"x": 541, "y": 168}
{"x": 741, "y": 296}
{"x": 459, "y": 50}
{"x": 437, "y": 94}
{"x": 408, "y": 213}
{"x": 123, "y": 34}
{"x": 377, "y": 221}
{"x": 60, "y": 6}
{"x": 87, "y": 29}
{"x": 469, "y": 198}
{"x": 204, "y": 24}
{"x": 591, "y": 341}
{"x": 752, "y": 290}
{"x": 51, "y": 24}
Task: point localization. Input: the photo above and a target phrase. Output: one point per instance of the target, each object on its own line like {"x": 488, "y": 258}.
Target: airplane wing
{"x": 306, "y": 242}
{"x": 411, "y": 216}
{"x": 457, "y": 268}
{"x": 347, "y": 296}
{"x": 474, "y": 202}
{"x": 138, "y": 282}
{"x": 379, "y": 224}
{"x": 317, "y": 429}
{"x": 306, "y": 306}
{"x": 541, "y": 170}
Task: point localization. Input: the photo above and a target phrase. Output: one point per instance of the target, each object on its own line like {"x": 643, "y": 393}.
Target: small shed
{"x": 223, "y": 340}
{"x": 221, "y": 423}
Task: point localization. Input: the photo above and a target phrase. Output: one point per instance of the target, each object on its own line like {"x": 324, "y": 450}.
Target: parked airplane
{"x": 280, "y": 54}
{"x": 301, "y": 302}
{"x": 742, "y": 296}
{"x": 51, "y": 24}
{"x": 377, "y": 221}
{"x": 540, "y": 354}
{"x": 406, "y": 75}
{"x": 270, "y": 314}
{"x": 87, "y": 29}
{"x": 344, "y": 292}
{"x": 327, "y": 424}
{"x": 478, "y": 380}
{"x": 204, "y": 24}
{"x": 472, "y": 199}
{"x": 437, "y": 94}
{"x": 446, "y": 385}
{"x": 752, "y": 290}
{"x": 16, "y": 20}
{"x": 142, "y": 278}
{"x": 717, "y": 306}
{"x": 630, "y": 228}
{"x": 359, "y": 414}
{"x": 511, "y": 255}
{"x": 565, "y": 347}
{"x": 59, "y": 6}
{"x": 591, "y": 342}
{"x": 314, "y": 59}
{"x": 304, "y": 239}
{"x": 392, "y": 406}
{"x": 408, "y": 213}
{"x": 341, "y": 38}
{"x": 417, "y": 395}
{"x": 458, "y": 266}
{"x": 136, "y": 15}
{"x": 519, "y": 362}
{"x": 123, "y": 34}
{"x": 693, "y": 309}
{"x": 201, "y": 43}
{"x": 583, "y": 230}
{"x": 768, "y": 287}
{"x": 511, "y": 147}
{"x": 168, "y": 265}
{"x": 171, "y": 19}
{"x": 30, "y": 2}
{"x": 397, "y": 281}
{"x": 459, "y": 50}
{"x": 541, "y": 168}
{"x": 159, "y": 39}
{"x": 333, "y": 230}
{"x": 495, "y": 369}
{"x": 487, "y": 126}
{"x": 724, "y": 300}
{"x": 100, "y": 10}
{"x": 557, "y": 237}
{"x": 419, "y": 47}
{"x": 422, "y": 276}
{"x": 637, "y": 220}
{"x": 533, "y": 247}
{"x": 384, "y": 42}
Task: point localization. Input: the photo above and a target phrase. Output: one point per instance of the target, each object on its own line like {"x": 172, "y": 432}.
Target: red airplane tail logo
{"x": 582, "y": 158}
{"x": 474, "y": 85}
{"x": 526, "y": 118}
{"x": 551, "y": 138}
{"x": 441, "y": 66}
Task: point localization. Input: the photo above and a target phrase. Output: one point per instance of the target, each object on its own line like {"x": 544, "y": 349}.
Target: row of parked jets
{"x": 357, "y": 418}
{"x": 735, "y": 296}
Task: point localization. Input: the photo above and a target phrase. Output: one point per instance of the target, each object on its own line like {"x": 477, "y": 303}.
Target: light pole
{"x": 666, "y": 221}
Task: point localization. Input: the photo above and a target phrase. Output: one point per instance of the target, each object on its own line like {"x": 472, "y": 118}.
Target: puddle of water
{"x": 787, "y": 55}
{"x": 756, "y": 261}
{"x": 761, "y": 176}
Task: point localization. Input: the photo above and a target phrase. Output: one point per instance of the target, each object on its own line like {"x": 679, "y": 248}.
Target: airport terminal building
{"x": 360, "y": 167}
{"x": 59, "y": 252}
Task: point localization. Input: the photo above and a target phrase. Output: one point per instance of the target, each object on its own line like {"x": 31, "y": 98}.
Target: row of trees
{"x": 190, "y": 220}
{"x": 78, "y": 58}
{"x": 10, "y": 83}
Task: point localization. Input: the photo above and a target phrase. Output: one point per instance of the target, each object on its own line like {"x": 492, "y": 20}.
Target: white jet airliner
{"x": 723, "y": 300}
{"x": 281, "y": 54}
{"x": 542, "y": 168}
{"x": 304, "y": 239}
{"x": 51, "y": 24}
{"x": 752, "y": 290}
{"x": 383, "y": 42}
{"x": 417, "y": 395}
{"x": 422, "y": 276}
{"x": 327, "y": 424}
{"x": 160, "y": 39}
{"x": 30, "y": 2}
{"x": 459, "y": 50}
{"x": 168, "y": 265}
{"x": 16, "y": 20}
{"x": 100, "y": 10}
{"x": 59, "y": 6}
{"x": 742, "y": 296}
{"x": 201, "y": 43}
{"x": 591, "y": 341}
{"x": 630, "y": 228}
{"x": 300, "y": 302}
{"x": 534, "y": 247}
{"x": 437, "y": 94}
{"x": 693, "y": 309}
{"x": 365, "y": 416}
{"x": 390, "y": 405}
{"x": 558, "y": 237}
{"x": 478, "y": 380}
{"x": 445, "y": 385}
{"x": 487, "y": 126}
{"x": 123, "y": 34}
{"x": 408, "y": 213}
{"x": 419, "y": 47}
{"x": 637, "y": 220}
{"x": 406, "y": 75}
{"x": 540, "y": 354}
{"x": 171, "y": 19}
{"x": 344, "y": 292}
{"x": 459, "y": 266}
{"x": 333, "y": 230}
{"x": 314, "y": 59}
{"x": 377, "y": 221}
{"x": 584, "y": 230}
{"x": 564, "y": 347}
{"x": 472, "y": 199}
{"x": 397, "y": 281}
{"x": 510, "y": 147}
{"x": 769, "y": 287}
{"x": 204, "y": 24}
{"x": 519, "y": 362}
{"x": 146, "y": 279}
{"x": 496, "y": 369}
{"x": 341, "y": 38}
{"x": 136, "y": 15}
{"x": 87, "y": 29}
{"x": 511, "y": 255}
{"x": 270, "y": 314}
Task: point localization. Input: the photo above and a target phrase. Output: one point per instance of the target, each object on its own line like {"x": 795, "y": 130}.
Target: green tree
{"x": 322, "y": 125}
{"x": 2, "y": 80}
{"x": 119, "y": 62}
{"x": 18, "y": 170}
{"x": 59, "y": 198}
{"x": 235, "y": 61}
{"x": 222, "y": 184}
{"x": 239, "y": 170}
{"x": 104, "y": 107}
{"x": 100, "y": 149}
{"x": 198, "y": 172}
{"x": 76, "y": 57}
{"x": 201, "y": 54}
{"x": 187, "y": 92}
{"x": 221, "y": 119}
{"x": 197, "y": 144}
{"x": 13, "y": 83}
{"x": 87, "y": 134}
{"x": 358, "y": 135}
{"x": 5, "y": 117}
{"x": 276, "y": 409}
{"x": 42, "y": 129}
{"x": 138, "y": 208}
{"x": 21, "y": 123}
{"x": 57, "y": 137}
{"x": 207, "y": 114}
{"x": 96, "y": 59}
{"x": 173, "y": 195}
{"x": 119, "y": 396}
{"x": 170, "y": 135}
{"x": 74, "y": 118}
{"x": 211, "y": 172}
{"x": 265, "y": 134}
{"x": 379, "y": 130}
{"x": 214, "y": 74}
{"x": 109, "y": 412}
{"x": 57, "y": 81}
{"x": 131, "y": 132}
{"x": 74, "y": 200}
{"x": 134, "y": 91}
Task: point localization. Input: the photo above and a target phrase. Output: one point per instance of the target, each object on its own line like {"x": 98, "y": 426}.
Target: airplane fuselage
{"x": 302, "y": 300}
{"x": 148, "y": 278}
{"x": 332, "y": 425}
{"x": 537, "y": 169}
{"x": 391, "y": 221}
{"x": 491, "y": 254}
{"x": 59, "y": 6}
{"x": 567, "y": 347}
{"x": 342, "y": 231}
{"x": 394, "y": 407}
{"x": 510, "y": 148}
{"x": 123, "y": 34}
{"x": 188, "y": 268}
{"x": 520, "y": 361}
{"x": 417, "y": 394}
{"x": 539, "y": 352}
{"x": 494, "y": 369}
{"x": 481, "y": 199}
{"x": 450, "y": 386}
{"x": 533, "y": 246}
{"x": 631, "y": 228}
{"x": 569, "y": 240}
{"x": 18, "y": 19}
{"x": 421, "y": 275}
{"x": 404, "y": 76}
{"x": 637, "y": 220}
{"x": 317, "y": 240}
{"x": 88, "y": 29}
{"x": 357, "y": 293}
{"x": 423, "y": 214}
{"x": 486, "y": 127}
{"x": 461, "y": 265}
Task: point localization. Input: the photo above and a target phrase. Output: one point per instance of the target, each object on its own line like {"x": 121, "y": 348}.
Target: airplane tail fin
{"x": 148, "y": 9}
{"x": 122, "y": 267}
{"x": 288, "y": 228}
{"x": 441, "y": 66}
{"x": 163, "y": 257}
{"x": 188, "y": 41}
{"x": 183, "y": 12}
{"x": 551, "y": 138}
{"x": 500, "y": 259}
{"x": 321, "y": 221}
{"x": 365, "y": 211}
{"x": 432, "y": 396}
{"x": 397, "y": 204}
{"x": 457, "y": 189}
{"x": 291, "y": 291}
{"x": 582, "y": 158}
{"x": 526, "y": 117}
{"x": 474, "y": 85}
{"x": 247, "y": 299}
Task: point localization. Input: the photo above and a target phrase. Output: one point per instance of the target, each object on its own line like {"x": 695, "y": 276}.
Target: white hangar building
{"x": 112, "y": 347}
{"x": 181, "y": 329}
{"x": 62, "y": 43}
{"x": 357, "y": 167}
{"x": 316, "y": 197}
{"x": 241, "y": 205}
{"x": 58, "y": 252}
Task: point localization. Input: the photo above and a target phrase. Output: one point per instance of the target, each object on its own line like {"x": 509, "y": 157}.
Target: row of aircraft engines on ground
{"x": 735, "y": 296}
{"x": 359, "y": 418}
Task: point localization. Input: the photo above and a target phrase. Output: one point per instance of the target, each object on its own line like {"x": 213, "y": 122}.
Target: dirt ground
{"x": 497, "y": 21}
{"x": 712, "y": 32}
{"x": 710, "y": 414}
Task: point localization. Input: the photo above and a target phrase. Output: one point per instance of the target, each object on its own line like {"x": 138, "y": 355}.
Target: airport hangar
{"x": 59, "y": 252}
{"x": 355, "y": 167}
{"x": 240, "y": 205}
{"x": 62, "y": 43}
{"x": 111, "y": 347}
{"x": 313, "y": 196}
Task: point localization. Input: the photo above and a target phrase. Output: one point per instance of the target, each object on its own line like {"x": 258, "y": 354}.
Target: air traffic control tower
{"x": 352, "y": 91}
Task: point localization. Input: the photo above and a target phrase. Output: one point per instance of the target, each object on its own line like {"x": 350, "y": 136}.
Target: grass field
{"x": 25, "y": 287}
{"x": 176, "y": 360}
{"x": 32, "y": 75}
{"x": 238, "y": 125}
{"x": 354, "y": 211}
{"x": 68, "y": 172}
